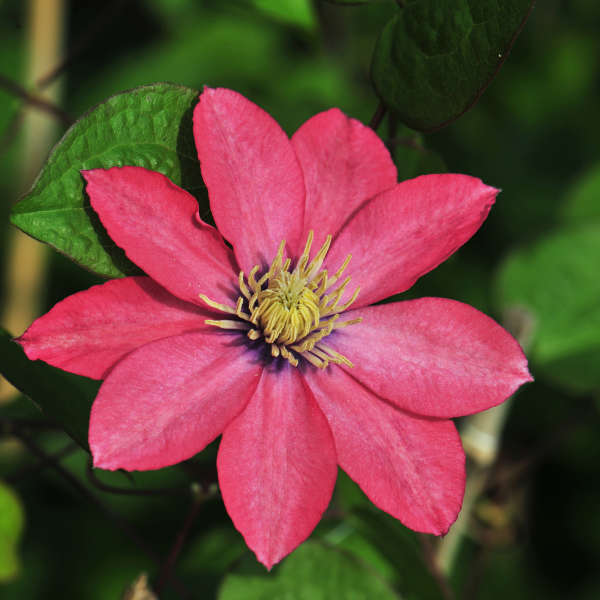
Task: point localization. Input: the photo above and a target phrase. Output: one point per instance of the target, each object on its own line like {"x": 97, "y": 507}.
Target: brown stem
{"x": 103, "y": 18}
{"x": 25, "y": 257}
{"x": 112, "y": 489}
{"x": 11, "y": 131}
{"x": 40, "y": 465}
{"x": 17, "y": 90}
{"x": 378, "y": 116}
{"x": 481, "y": 435}
{"x": 116, "y": 519}
{"x": 439, "y": 576}
{"x": 166, "y": 571}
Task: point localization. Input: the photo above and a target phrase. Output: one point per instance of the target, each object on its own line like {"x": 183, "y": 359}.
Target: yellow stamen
{"x": 217, "y": 305}
{"x": 290, "y": 309}
{"x": 225, "y": 324}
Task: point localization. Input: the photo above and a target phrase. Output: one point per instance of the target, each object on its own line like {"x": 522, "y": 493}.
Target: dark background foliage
{"x": 535, "y": 530}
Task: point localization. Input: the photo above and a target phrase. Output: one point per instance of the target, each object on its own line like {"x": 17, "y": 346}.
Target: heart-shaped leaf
{"x": 150, "y": 126}
{"x": 435, "y": 58}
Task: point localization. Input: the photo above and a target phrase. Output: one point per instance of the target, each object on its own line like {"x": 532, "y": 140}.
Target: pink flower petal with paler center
{"x": 167, "y": 400}
{"x": 412, "y": 468}
{"x": 88, "y": 332}
{"x": 158, "y": 226}
{"x": 407, "y": 231}
{"x": 344, "y": 164}
{"x": 433, "y": 356}
{"x": 277, "y": 466}
{"x": 254, "y": 181}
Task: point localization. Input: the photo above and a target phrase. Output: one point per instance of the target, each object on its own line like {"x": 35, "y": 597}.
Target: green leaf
{"x": 62, "y": 397}
{"x": 150, "y": 126}
{"x": 294, "y": 12}
{"x": 555, "y": 284}
{"x": 412, "y": 158}
{"x": 435, "y": 58}
{"x": 11, "y": 527}
{"x": 583, "y": 199}
{"x": 312, "y": 572}
{"x": 400, "y": 547}
{"x": 348, "y": 2}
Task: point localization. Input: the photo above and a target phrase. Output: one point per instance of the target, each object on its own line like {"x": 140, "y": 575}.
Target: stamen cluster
{"x": 293, "y": 310}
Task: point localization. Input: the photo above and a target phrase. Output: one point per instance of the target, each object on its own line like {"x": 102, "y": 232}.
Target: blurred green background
{"x": 535, "y": 532}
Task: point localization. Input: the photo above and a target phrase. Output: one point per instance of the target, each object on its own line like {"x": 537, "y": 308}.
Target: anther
{"x": 290, "y": 309}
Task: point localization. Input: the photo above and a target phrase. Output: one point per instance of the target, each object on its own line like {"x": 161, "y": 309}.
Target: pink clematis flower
{"x": 270, "y": 343}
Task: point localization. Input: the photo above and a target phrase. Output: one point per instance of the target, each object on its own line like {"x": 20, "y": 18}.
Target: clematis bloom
{"x": 273, "y": 342}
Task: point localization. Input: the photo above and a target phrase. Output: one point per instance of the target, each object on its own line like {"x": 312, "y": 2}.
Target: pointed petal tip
{"x": 251, "y": 173}
{"x": 439, "y": 526}
{"x": 523, "y": 375}
{"x": 93, "y": 174}
{"x": 29, "y": 347}
{"x": 267, "y": 562}
{"x": 102, "y": 458}
{"x": 100, "y": 461}
{"x": 213, "y": 93}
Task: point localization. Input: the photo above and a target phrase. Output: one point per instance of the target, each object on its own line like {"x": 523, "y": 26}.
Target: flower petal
{"x": 433, "y": 356}
{"x": 88, "y": 332}
{"x": 407, "y": 231}
{"x": 344, "y": 163}
{"x": 410, "y": 467}
{"x": 253, "y": 178}
{"x": 158, "y": 226}
{"x": 167, "y": 400}
{"x": 277, "y": 466}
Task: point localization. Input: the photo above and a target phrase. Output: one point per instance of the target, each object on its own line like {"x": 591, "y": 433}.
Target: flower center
{"x": 293, "y": 310}
{"x": 287, "y": 310}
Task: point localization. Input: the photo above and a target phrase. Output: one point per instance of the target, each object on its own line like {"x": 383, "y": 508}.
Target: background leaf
{"x": 312, "y": 572}
{"x": 582, "y": 204}
{"x": 435, "y": 57}
{"x": 294, "y": 12}
{"x": 11, "y": 527}
{"x": 62, "y": 397}
{"x": 150, "y": 127}
{"x": 556, "y": 282}
{"x": 348, "y": 2}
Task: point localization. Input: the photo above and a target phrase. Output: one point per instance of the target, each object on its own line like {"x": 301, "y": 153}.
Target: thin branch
{"x": 518, "y": 470}
{"x": 392, "y": 133}
{"x": 481, "y": 436}
{"x": 409, "y": 142}
{"x": 438, "y": 575}
{"x": 40, "y": 465}
{"x": 166, "y": 571}
{"x": 45, "y": 105}
{"x": 104, "y": 17}
{"x": 113, "y": 489}
{"x": 378, "y": 116}
{"x": 12, "y": 425}
{"x": 116, "y": 519}
{"x": 11, "y": 132}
